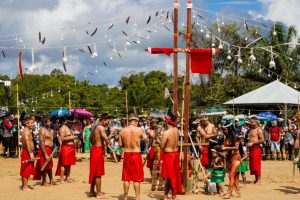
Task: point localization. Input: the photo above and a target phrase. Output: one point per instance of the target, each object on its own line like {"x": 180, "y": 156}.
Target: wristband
{"x": 31, "y": 155}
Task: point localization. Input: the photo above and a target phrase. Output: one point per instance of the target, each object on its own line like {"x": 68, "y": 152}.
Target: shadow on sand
{"x": 288, "y": 189}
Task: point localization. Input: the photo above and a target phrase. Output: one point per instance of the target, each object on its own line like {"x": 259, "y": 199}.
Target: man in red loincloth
{"x": 256, "y": 137}
{"x": 205, "y": 132}
{"x": 45, "y": 151}
{"x": 171, "y": 164}
{"x": 98, "y": 137}
{"x": 67, "y": 154}
{"x": 27, "y": 156}
{"x": 130, "y": 139}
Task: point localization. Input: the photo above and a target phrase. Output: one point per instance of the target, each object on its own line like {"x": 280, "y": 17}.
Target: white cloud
{"x": 237, "y": 3}
{"x": 286, "y": 11}
{"x": 28, "y": 18}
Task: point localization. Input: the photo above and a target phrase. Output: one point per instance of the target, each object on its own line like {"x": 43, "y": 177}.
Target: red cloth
{"x": 67, "y": 157}
{"x": 255, "y": 161}
{"x": 133, "y": 167}
{"x": 40, "y": 163}
{"x": 171, "y": 170}
{"x": 201, "y": 59}
{"x": 205, "y": 159}
{"x": 151, "y": 157}
{"x": 96, "y": 163}
{"x": 274, "y": 132}
{"x": 7, "y": 124}
{"x": 27, "y": 168}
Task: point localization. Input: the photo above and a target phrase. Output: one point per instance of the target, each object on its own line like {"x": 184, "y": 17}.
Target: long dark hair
{"x": 231, "y": 135}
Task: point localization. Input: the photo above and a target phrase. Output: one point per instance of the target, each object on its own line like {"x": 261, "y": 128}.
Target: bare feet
{"x": 45, "y": 184}
{"x": 125, "y": 196}
{"x": 222, "y": 194}
{"x": 227, "y": 196}
{"x": 26, "y": 189}
{"x": 100, "y": 195}
{"x": 92, "y": 194}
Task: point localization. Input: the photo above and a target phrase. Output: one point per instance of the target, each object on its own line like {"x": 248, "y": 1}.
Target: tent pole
{"x": 285, "y": 114}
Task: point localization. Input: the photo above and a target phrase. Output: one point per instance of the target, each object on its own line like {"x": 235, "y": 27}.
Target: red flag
{"x": 20, "y": 64}
{"x": 201, "y": 61}
{"x": 167, "y": 51}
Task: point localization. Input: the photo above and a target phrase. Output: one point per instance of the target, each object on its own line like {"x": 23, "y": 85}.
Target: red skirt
{"x": 151, "y": 157}
{"x": 133, "y": 167}
{"x": 67, "y": 157}
{"x": 205, "y": 159}
{"x": 171, "y": 170}
{"x": 96, "y": 163}
{"x": 41, "y": 162}
{"x": 255, "y": 161}
{"x": 27, "y": 168}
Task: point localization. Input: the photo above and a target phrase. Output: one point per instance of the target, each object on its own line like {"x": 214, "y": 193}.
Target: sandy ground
{"x": 277, "y": 183}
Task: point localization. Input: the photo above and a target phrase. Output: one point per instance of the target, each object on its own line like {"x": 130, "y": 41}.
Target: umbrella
{"x": 59, "y": 113}
{"x": 82, "y": 112}
{"x": 228, "y": 117}
{"x": 241, "y": 116}
{"x": 268, "y": 115}
{"x": 158, "y": 113}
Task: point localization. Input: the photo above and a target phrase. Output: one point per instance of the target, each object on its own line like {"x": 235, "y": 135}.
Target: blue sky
{"x": 56, "y": 20}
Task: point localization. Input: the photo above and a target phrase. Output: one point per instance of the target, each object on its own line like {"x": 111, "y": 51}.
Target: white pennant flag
{"x": 167, "y": 93}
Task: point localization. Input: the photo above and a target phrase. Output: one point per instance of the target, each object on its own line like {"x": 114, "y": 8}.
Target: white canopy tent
{"x": 274, "y": 93}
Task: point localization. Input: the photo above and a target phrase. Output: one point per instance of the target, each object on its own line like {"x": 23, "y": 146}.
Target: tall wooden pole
{"x": 69, "y": 102}
{"x": 18, "y": 119}
{"x": 126, "y": 100}
{"x": 175, "y": 59}
{"x": 187, "y": 91}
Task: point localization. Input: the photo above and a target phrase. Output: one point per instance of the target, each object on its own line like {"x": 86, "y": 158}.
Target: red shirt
{"x": 7, "y": 124}
{"x": 274, "y": 133}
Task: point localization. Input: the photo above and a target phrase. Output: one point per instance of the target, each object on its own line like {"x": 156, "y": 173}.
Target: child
{"x": 244, "y": 166}
{"x": 217, "y": 172}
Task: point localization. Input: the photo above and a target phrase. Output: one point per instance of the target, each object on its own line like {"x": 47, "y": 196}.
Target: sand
{"x": 277, "y": 183}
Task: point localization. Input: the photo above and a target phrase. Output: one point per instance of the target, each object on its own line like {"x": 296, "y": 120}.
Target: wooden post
{"x": 187, "y": 91}
{"x": 175, "y": 59}
{"x": 69, "y": 102}
{"x": 18, "y": 119}
{"x": 126, "y": 100}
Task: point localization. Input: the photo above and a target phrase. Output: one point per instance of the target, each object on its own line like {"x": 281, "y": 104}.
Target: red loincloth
{"x": 151, "y": 157}
{"x": 27, "y": 168}
{"x": 133, "y": 167}
{"x": 96, "y": 163}
{"x": 67, "y": 157}
{"x": 255, "y": 161}
{"x": 171, "y": 170}
{"x": 40, "y": 163}
{"x": 205, "y": 159}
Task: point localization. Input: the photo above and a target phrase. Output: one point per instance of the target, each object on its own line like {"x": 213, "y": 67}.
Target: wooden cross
{"x": 201, "y": 62}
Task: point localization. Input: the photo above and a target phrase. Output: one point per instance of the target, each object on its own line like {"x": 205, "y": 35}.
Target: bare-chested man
{"x": 67, "y": 154}
{"x": 27, "y": 156}
{"x": 98, "y": 137}
{"x": 205, "y": 132}
{"x": 256, "y": 137}
{"x": 45, "y": 151}
{"x": 171, "y": 163}
{"x": 130, "y": 140}
{"x": 152, "y": 134}
{"x": 296, "y": 160}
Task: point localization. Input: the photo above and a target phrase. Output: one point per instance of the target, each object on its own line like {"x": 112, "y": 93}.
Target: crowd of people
{"x": 221, "y": 147}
